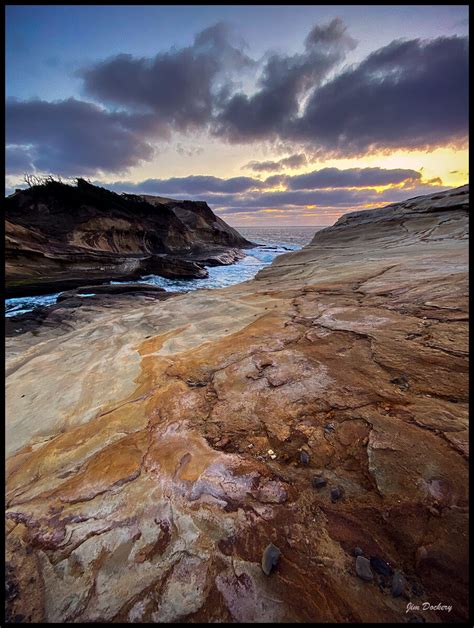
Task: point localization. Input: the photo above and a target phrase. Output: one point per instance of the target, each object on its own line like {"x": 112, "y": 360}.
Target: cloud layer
{"x": 284, "y": 81}
{"x": 180, "y": 86}
{"x": 293, "y": 161}
{"x": 410, "y": 94}
{"x": 320, "y": 191}
{"x": 72, "y": 137}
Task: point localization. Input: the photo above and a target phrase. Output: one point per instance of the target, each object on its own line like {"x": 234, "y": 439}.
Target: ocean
{"x": 270, "y": 241}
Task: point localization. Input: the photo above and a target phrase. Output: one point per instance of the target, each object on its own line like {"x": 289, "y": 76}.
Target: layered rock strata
{"x": 59, "y": 236}
{"x": 155, "y": 451}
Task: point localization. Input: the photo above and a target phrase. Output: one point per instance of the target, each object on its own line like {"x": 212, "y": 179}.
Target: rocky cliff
{"x": 289, "y": 449}
{"x": 61, "y": 236}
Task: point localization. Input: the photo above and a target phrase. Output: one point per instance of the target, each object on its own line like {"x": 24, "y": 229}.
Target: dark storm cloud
{"x": 409, "y": 94}
{"x": 352, "y": 177}
{"x": 72, "y": 137}
{"x": 192, "y": 185}
{"x": 293, "y": 161}
{"x": 284, "y": 81}
{"x": 178, "y": 86}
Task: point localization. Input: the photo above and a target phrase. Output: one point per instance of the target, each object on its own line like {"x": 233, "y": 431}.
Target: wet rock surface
{"x": 139, "y": 484}
{"x": 129, "y": 288}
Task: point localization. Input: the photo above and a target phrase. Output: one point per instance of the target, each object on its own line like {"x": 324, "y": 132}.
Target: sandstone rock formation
{"x": 59, "y": 236}
{"x": 154, "y": 448}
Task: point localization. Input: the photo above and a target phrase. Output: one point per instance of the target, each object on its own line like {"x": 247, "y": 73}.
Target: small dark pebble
{"x": 401, "y": 381}
{"x": 398, "y": 584}
{"x": 319, "y": 482}
{"x": 357, "y": 551}
{"x": 270, "y": 558}
{"x": 380, "y": 566}
{"x": 304, "y": 457}
{"x": 336, "y": 493}
{"x": 363, "y": 569}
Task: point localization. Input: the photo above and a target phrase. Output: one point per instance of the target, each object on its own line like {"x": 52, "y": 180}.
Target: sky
{"x": 273, "y": 115}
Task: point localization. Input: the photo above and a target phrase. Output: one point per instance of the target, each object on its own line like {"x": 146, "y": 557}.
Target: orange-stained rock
{"x": 140, "y": 487}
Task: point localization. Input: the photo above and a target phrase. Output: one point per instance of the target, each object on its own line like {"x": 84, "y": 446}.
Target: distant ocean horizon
{"x": 280, "y": 235}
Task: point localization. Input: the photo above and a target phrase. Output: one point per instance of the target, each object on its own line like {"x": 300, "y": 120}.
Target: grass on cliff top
{"x": 84, "y": 193}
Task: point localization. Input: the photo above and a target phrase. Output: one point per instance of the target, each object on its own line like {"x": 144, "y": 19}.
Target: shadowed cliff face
{"x": 60, "y": 236}
{"x": 168, "y": 443}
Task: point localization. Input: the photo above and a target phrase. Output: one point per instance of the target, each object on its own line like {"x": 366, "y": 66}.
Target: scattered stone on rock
{"x": 304, "y": 457}
{"x": 401, "y": 381}
{"x": 272, "y": 454}
{"x": 319, "y": 482}
{"x": 329, "y": 427}
{"x": 398, "y": 584}
{"x": 380, "y": 566}
{"x": 336, "y": 493}
{"x": 363, "y": 569}
{"x": 270, "y": 558}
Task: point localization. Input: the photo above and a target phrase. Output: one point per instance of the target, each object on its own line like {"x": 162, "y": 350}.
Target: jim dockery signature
{"x": 427, "y": 606}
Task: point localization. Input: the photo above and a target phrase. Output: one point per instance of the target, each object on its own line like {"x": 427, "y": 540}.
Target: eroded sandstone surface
{"x": 156, "y": 448}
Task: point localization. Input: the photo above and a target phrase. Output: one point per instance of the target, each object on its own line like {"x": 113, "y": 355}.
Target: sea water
{"x": 270, "y": 242}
